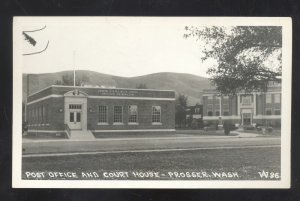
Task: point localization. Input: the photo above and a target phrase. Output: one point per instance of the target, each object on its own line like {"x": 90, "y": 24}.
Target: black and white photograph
{"x": 151, "y": 102}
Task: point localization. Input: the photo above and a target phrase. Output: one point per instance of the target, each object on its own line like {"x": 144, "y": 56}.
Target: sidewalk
{"x": 147, "y": 142}
{"x": 178, "y": 135}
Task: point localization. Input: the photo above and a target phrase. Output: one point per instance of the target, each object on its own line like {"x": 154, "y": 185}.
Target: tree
{"x": 180, "y": 106}
{"x": 247, "y": 57}
{"x": 142, "y": 86}
{"x": 68, "y": 80}
{"x": 82, "y": 79}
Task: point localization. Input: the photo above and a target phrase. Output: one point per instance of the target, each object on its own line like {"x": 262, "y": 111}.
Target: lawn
{"x": 275, "y": 132}
{"x": 245, "y": 162}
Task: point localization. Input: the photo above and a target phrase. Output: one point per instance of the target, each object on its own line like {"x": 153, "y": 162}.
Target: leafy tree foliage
{"x": 180, "y": 113}
{"x": 248, "y": 57}
{"x": 68, "y": 80}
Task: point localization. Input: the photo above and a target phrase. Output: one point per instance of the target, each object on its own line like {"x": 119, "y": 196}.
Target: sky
{"x": 118, "y": 46}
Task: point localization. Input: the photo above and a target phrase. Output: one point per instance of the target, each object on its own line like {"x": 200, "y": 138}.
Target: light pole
{"x": 220, "y": 117}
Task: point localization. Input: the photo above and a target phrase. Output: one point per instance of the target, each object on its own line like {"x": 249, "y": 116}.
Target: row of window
{"x": 276, "y": 98}
{"x": 38, "y": 114}
{"x": 247, "y": 99}
{"x": 132, "y": 114}
{"x": 268, "y": 111}
{"x": 217, "y": 113}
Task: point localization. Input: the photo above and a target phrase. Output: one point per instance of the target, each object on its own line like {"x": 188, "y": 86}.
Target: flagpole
{"x": 74, "y": 74}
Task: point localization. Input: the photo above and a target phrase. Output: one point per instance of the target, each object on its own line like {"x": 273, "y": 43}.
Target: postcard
{"x": 152, "y": 102}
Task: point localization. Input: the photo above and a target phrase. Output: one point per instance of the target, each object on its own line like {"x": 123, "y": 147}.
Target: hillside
{"x": 190, "y": 85}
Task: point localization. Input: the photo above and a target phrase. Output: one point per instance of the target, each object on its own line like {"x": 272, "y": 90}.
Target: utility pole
{"x": 220, "y": 117}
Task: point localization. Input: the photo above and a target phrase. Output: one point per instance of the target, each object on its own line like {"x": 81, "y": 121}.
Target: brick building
{"x": 244, "y": 109}
{"x": 79, "y": 111}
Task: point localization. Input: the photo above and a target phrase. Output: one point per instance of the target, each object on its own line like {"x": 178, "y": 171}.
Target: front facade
{"x": 63, "y": 109}
{"x": 244, "y": 109}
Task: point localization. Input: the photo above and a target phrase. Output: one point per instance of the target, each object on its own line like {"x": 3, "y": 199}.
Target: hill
{"x": 190, "y": 85}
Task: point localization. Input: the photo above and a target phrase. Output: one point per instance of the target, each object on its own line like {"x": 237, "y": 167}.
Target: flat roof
{"x": 100, "y": 91}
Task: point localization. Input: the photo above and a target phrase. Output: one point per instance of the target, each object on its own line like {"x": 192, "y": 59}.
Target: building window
{"x": 277, "y": 98}
{"x": 71, "y": 116}
{"x": 217, "y": 100}
{"x": 246, "y": 99}
{"x": 226, "y": 113}
{"x": 209, "y": 113}
{"x": 217, "y": 113}
{"x": 28, "y": 115}
{"x": 132, "y": 113}
{"x": 268, "y": 111}
{"x": 44, "y": 114}
{"x": 156, "y": 113}
{"x": 102, "y": 118}
{"x": 32, "y": 115}
{"x": 40, "y": 115}
{"x": 118, "y": 114}
{"x": 277, "y": 112}
{"x": 36, "y": 115}
{"x": 74, "y": 106}
{"x": 268, "y": 98}
{"x": 226, "y": 105}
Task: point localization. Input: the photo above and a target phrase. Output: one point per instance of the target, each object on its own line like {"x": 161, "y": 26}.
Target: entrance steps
{"x": 81, "y": 135}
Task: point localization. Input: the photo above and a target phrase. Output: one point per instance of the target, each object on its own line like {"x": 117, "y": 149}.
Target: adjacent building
{"x": 71, "y": 111}
{"x": 194, "y": 115}
{"x": 244, "y": 109}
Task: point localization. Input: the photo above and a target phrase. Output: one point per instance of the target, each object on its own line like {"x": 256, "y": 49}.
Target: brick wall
{"x": 144, "y": 114}
{"x": 53, "y": 119}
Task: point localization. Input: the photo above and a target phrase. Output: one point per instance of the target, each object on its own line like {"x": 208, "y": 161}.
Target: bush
{"x": 270, "y": 129}
{"x": 249, "y": 127}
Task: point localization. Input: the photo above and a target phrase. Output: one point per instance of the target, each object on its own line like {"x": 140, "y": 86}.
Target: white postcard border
{"x": 285, "y": 22}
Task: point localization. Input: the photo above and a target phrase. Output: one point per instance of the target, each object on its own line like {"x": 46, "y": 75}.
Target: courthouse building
{"x": 83, "y": 112}
{"x": 244, "y": 109}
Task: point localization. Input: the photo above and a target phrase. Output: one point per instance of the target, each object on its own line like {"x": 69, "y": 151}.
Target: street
{"x": 213, "y": 157}
{"x": 151, "y": 143}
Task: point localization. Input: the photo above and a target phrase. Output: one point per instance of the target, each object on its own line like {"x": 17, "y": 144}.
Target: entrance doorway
{"x": 75, "y": 113}
{"x": 247, "y": 119}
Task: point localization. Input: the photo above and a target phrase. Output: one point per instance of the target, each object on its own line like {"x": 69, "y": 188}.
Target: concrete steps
{"x": 81, "y": 135}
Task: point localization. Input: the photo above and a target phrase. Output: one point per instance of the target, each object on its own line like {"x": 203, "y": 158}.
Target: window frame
{"x": 268, "y": 98}
{"x": 130, "y": 115}
{"x": 277, "y": 109}
{"x": 266, "y": 111}
{"x": 225, "y": 111}
{"x": 152, "y": 115}
{"x": 106, "y": 115}
{"x": 114, "y": 115}
{"x": 278, "y": 96}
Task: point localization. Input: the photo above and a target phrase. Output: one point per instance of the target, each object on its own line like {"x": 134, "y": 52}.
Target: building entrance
{"x": 75, "y": 111}
{"x": 247, "y": 119}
